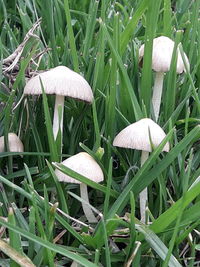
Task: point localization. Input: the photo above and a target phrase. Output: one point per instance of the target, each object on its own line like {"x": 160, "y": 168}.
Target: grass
{"x": 39, "y": 216}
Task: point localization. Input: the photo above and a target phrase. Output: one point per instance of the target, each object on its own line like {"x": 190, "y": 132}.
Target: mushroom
{"x": 141, "y": 135}
{"x": 161, "y": 61}
{"x": 62, "y": 82}
{"x": 85, "y": 165}
{"x": 14, "y": 143}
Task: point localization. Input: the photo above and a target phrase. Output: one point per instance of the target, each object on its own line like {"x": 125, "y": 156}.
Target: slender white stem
{"x": 157, "y": 93}
{"x": 87, "y": 210}
{"x": 144, "y": 193}
{"x": 58, "y": 101}
{"x": 74, "y": 264}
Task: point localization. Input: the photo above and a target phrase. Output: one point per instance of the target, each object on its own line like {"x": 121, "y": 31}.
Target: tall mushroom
{"x": 85, "y": 165}
{"x": 141, "y": 135}
{"x": 62, "y": 82}
{"x": 161, "y": 60}
{"x": 14, "y": 143}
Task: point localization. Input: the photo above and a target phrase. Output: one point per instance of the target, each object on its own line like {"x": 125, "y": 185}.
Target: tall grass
{"x": 42, "y": 222}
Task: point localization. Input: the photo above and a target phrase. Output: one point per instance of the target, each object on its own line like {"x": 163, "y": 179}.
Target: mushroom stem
{"x": 87, "y": 210}
{"x": 143, "y": 195}
{"x": 58, "y": 101}
{"x": 157, "y": 93}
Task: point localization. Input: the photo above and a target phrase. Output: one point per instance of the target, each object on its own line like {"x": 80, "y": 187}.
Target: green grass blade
{"x": 146, "y": 88}
{"x": 41, "y": 203}
{"x": 52, "y": 143}
{"x": 131, "y": 26}
{"x": 165, "y": 219}
{"x": 60, "y": 190}
{"x": 107, "y": 251}
{"x": 90, "y": 27}
{"x": 63, "y": 251}
{"x": 108, "y": 187}
{"x": 15, "y": 241}
{"x": 135, "y": 105}
{"x": 71, "y": 36}
{"x": 156, "y": 244}
{"x": 167, "y": 18}
{"x": 32, "y": 229}
{"x": 83, "y": 179}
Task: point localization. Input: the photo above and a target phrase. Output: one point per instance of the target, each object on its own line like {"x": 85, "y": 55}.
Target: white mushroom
{"x": 62, "y": 82}
{"x": 85, "y": 165}
{"x": 14, "y": 143}
{"x": 141, "y": 135}
{"x": 161, "y": 61}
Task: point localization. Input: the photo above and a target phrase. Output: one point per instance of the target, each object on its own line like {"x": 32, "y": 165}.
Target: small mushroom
{"x": 14, "y": 143}
{"x": 85, "y": 165}
{"x": 141, "y": 135}
{"x": 161, "y": 61}
{"x": 62, "y": 82}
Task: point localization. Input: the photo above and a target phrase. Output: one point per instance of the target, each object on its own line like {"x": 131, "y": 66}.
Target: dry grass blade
{"x": 16, "y": 256}
{"x": 13, "y": 59}
{"x": 130, "y": 260}
{"x": 71, "y": 218}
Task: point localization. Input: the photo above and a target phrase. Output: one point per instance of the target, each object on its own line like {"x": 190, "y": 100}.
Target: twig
{"x": 130, "y": 260}
{"x": 10, "y": 64}
{"x": 69, "y": 217}
{"x": 58, "y": 237}
{"x": 15, "y": 56}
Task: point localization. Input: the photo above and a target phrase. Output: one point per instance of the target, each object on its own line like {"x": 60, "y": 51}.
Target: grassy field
{"x": 42, "y": 222}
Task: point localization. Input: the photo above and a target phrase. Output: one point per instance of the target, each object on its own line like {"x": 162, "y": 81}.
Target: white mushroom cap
{"x": 60, "y": 81}
{"x": 136, "y": 136}
{"x": 15, "y": 144}
{"x": 83, "y": 164}
{"x": 162, "y": 55}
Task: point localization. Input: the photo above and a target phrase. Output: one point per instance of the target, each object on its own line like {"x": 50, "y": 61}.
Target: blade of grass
{"x": 105, "y": 237}
{"x": 110, "y": 117}
{"x": 49, "y": 18}
{"x": 22, "y": 260}
{"x": 19, "y": 217}
{"x": 130, "y": 248}
{"x": 170, "y": 97}
{"x": 83, "y": 179}
{"x": 135, "y": 105}
{"x": 167, "y": 18}
{"x": 32, "y": 230}
{"x": 63, "y": 251}
{"x": 156, "y": 244}
{"x": 21, "y": 173}
{"x": 90, "y": 27}
{"x": 146, "y": 81}
{"x": 60, "y": 190}
{"x": 131, "y": 26}
{"x": 71, "y": 36}
{"x": 15, "y": 241}
{"x": 47, "y": 255}
{"x": 96, "y": 127}
{"x": 108, "y": 187}
{"x": 166, "y": 218}
{"x": 52, "y": 144}
{"x": 21, "y": 191}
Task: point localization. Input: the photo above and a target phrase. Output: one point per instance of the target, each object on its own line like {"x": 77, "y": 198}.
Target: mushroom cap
{"x": 60, "y": 81}
{"x": 83, "y": 164}
{"x": 162, "y": 55}
{"x": 15, "y": 144}
{"x": 136, "y": 136}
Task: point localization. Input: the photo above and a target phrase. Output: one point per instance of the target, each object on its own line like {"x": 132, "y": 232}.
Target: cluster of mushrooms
{"x": 143, "y": 135}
